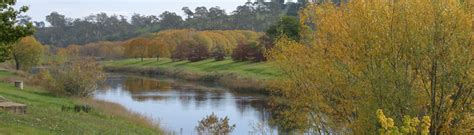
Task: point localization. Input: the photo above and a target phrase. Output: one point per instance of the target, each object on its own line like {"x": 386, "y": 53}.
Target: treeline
{"x": 181, "y": 44}
{"x": 191, "y": 44}
{"x": 258, "y": 16}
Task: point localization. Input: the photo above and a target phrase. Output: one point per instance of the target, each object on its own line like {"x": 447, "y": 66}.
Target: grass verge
{"x": 238, "y": 76}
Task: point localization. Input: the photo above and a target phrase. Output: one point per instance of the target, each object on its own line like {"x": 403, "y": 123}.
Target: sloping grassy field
{"x": 247, "y": 69}
{"x": 45, "y": 116}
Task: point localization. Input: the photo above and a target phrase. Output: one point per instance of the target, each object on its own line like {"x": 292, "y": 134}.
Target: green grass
{"x": 247, "y": 69}
{"x": 4, "y": 73}
{"x": 44, "y": 116}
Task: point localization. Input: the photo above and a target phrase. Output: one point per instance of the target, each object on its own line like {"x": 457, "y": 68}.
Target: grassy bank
{"x": 45, "y": 115}
{"x": 210, "y": 66}
{"x": 239, "y": 76}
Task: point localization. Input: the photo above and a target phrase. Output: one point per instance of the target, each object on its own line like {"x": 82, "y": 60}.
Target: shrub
{"x": 78, "y": 77}
{"x": 198, "y": 52}
{"x": 241, "y": 52}
{"x": 265, "y": 43}
{"x": 180, "y": 53}
{"x": 214, "y": 125}
{"x": 218, "y": 53}
{"x": 250, "y": 51}
{"x": 44, "y": 79}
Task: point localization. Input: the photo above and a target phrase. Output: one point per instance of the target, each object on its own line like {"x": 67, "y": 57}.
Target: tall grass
{"x": 116, "y": 110}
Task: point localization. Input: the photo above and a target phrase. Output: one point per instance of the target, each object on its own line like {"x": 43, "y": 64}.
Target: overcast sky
{"x": 81, "y": 8}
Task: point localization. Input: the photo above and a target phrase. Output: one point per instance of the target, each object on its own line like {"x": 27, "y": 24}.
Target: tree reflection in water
{"x": 182, "y": 104}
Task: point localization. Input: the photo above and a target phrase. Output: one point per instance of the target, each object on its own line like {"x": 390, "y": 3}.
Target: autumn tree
{"x": 73, "y": 50}
{"x": 138, "y": 48}
{"x": 198, "y": 45}
{"x": 110, "y": 50}
{"x": 406, "y": 57}
{"x": 249, "y": 51}
{"x": 66, "y": 54}
{"x": 197, "y": 52}
{"x": 218, "y": 53}
{"x": 200, "y": 48}
{"x": 241, "y": 52}
{"x": 183, "y": 44}
{"x": 181, "y": 52}
{"x": 263, "y": 45}
{"x": 27, "y": 53}
{"x": 105, "y": 50}
{"x": 158, "y": 49}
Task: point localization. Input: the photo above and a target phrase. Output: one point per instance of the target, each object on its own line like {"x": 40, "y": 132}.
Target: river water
{"x": 178, "y": 105}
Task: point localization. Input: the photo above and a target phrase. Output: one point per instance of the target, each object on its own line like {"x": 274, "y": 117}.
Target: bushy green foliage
{"x": 10, "y": 30}
{"x": 287, "y": 26}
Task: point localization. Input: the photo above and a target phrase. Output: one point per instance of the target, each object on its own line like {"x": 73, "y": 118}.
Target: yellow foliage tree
{"x": 27, "y": 53}
{"x": 404, "y": 56}
{"x": 216, "y": 41}
{"x": 410, "y": 125}
{"x": 158, "y": 49}
{"x": 138, "y": 48}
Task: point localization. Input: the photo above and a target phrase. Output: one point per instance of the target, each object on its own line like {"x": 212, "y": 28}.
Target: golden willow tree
{"x": 406, "y": 57}
{"x": 27, "y": 53}
{"x": 138, "y": 48}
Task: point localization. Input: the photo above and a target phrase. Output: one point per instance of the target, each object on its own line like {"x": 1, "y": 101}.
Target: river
{"x": 178, "y": 106}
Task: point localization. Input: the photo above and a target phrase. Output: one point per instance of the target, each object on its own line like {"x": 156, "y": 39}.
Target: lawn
{"x": 4, "y": 73}
{"x": 258, "y": 70}
{"x": 45, "y": 116}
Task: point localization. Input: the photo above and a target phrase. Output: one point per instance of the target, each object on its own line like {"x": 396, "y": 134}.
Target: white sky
{"x": 81, "y": 8}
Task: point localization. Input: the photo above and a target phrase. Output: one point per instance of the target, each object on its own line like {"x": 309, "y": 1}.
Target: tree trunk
{"x": 17, "y": 63}
{"x": 157, "y": 58}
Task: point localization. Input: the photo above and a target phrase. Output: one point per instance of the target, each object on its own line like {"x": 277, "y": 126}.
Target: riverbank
{"x": 237, "y": 76}
{"x": 46, "y": 114}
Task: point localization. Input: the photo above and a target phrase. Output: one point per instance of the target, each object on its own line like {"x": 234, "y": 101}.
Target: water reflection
{"x": 178, "y": 105}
